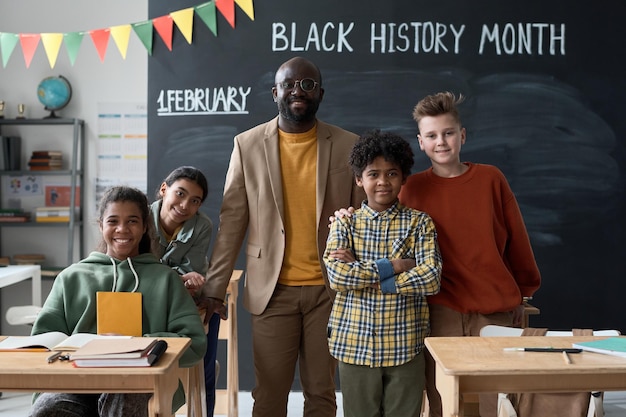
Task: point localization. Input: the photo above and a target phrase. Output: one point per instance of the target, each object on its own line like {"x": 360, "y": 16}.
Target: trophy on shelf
{"x": 21, "y": 108}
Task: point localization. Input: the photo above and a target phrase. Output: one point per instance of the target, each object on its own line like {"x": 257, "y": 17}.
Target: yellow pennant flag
{"x": 247, "y": 7}
{"x": 121, "y": 36}
{"x": 184, "y": 22}
{"x": 52, "y": 44}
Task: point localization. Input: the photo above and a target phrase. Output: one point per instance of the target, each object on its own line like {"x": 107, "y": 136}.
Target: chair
{"x": 226, "y": 400}
{"x": 595, "y": 408}
{"x": 22, "y": 315}
{"x": 195, "y": 393}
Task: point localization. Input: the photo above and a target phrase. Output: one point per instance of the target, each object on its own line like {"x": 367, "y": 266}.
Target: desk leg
{"x": 160, "y": 405}
{"x": 448, "y": 387}
{"x": 36, "y": 288}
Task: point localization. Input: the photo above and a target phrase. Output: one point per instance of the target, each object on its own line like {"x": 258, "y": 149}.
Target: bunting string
{"x": 144, "y": 30}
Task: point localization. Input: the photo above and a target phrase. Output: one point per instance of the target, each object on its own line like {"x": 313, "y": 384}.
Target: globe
{"x": 54, "y": 93}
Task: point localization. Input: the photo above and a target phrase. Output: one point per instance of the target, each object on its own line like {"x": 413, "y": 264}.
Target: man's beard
{"x": 309, "y": 114}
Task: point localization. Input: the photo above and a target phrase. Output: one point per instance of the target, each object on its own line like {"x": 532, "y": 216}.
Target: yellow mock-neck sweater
{"x": 298, "y": 165}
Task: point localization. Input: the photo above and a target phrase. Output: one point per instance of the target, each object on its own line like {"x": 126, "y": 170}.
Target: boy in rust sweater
{"x": 488, "y": 262}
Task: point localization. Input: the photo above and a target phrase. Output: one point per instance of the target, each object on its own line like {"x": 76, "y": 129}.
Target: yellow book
{"x": 119, "y": 313}
{"x": 53, "y": 219}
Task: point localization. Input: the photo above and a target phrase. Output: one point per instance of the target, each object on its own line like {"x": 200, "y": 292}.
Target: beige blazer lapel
{"x": 324, "y": 147}
{"x": 272, "y": 159}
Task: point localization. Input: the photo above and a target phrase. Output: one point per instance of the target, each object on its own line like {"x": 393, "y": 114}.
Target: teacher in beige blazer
{"x": 285, "y": 179}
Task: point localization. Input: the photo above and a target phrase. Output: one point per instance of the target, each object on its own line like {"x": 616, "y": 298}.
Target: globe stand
{"x": 52, "y": 114}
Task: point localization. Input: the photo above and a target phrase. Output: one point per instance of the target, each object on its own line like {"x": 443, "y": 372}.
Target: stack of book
{"x": 133, "y": 352}
{"x": 52, "y": 214}
{"x": 45, "y": 160}
{"x": 14, "y": 215}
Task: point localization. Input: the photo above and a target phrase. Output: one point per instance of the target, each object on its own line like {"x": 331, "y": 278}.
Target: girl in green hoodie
{"x": 125, "y": 263}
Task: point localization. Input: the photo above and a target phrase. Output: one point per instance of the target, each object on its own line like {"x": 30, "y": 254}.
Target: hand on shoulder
{"x": 342, "y": 212}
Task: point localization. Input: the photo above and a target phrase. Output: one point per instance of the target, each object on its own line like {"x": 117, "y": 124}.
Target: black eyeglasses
{"x": 307, "y": 84}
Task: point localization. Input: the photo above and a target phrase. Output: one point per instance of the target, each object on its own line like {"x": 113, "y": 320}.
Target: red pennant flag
{"x": 227, "y": 9}
{"x": 164, "y": 26}
{"x": 29, "y": 42}
{"x": 100, "y": 38}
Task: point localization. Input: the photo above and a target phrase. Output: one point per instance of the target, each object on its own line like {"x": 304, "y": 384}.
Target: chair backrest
{"x": 496, "y": 331}
{"x": 22, "y": 314}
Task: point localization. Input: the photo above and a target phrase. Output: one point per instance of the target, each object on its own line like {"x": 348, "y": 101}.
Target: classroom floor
{"x": 17, "y": 405}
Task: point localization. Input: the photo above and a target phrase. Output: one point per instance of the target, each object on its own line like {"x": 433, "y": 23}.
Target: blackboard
{"x": 545, "y": 83}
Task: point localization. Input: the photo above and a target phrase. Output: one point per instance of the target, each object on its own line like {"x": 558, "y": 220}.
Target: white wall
{"x": 93, "y": 82}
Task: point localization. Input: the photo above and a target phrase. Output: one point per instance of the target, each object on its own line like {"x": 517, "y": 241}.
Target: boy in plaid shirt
{"x": 383, "y": 261}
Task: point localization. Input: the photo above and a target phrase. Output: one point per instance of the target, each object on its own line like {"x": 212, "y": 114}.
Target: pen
{"x": 566, "y": 358}
{"x": 54, "y": 357}
{"x": 543, "y": 349}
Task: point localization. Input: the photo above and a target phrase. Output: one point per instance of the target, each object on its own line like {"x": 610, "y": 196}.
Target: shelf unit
{"x": 75, "y": 173}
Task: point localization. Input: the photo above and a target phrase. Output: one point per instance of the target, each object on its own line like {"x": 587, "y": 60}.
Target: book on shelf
{"x": 614, "y": 346}
{"x": 58, "y": 341}
{"x": 52, "y": 211}
{"x": 53, "y": 219}
{"x": 11, "y": 152}
{"x": 17, "y": 216}
{"x": 40, "y": 163}
{"x": 52, "y": 214}
{"x": 134, "y": 352}
{"x": 11, "y": 212}
{"x": 45, "y": 168}
{"x": 47, "y": 154}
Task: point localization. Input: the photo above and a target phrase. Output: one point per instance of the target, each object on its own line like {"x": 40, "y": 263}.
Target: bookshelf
{"x": 72, "y": 170}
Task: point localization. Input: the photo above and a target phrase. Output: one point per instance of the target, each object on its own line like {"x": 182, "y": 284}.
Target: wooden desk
{"x": 13, "y": 274}
{"x": 479, "y": 364}
{"x": 30, "y": 372}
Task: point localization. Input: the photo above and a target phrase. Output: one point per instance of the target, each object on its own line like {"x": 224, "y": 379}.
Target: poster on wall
{"x": 122, "y": 146}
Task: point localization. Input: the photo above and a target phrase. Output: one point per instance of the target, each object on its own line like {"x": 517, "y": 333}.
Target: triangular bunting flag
{"x": 121, "y": 36}
{"x": 72, "y": 44}
{"x": 184, "y": 22}
{"x": 29, "y": 43}
{"x": 51, "y": 44}
{"x": 227, "y": 9}
{"x": 100, "y": 38}
{"x": 7, "y": 44}
{"x": 206, "y": 13}
{"x": 144, "y": 33}
{"x": 247, "y": 7}
{"x": 164, "y": 26}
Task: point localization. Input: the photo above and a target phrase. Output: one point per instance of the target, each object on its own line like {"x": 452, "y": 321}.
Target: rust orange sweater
{"x": 488, "y": 262}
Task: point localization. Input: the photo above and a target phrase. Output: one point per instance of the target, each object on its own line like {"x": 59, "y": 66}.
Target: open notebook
{"x": 52, "y": 341}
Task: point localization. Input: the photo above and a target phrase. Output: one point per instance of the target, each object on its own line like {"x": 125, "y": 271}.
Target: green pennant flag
{"x": 206, "y": 12}
{"x": 72, "y": 44}
{"x": 7, "y": 44}
{"x": 144, "y": 33}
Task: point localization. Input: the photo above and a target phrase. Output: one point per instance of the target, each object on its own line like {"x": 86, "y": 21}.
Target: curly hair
{"x": 375, "y": 143}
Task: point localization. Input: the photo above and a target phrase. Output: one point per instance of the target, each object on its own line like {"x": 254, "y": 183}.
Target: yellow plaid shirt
{"x": 381, "y": 327}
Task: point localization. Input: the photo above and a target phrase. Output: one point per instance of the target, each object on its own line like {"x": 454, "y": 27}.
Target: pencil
{"x": 566, "y": 358}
